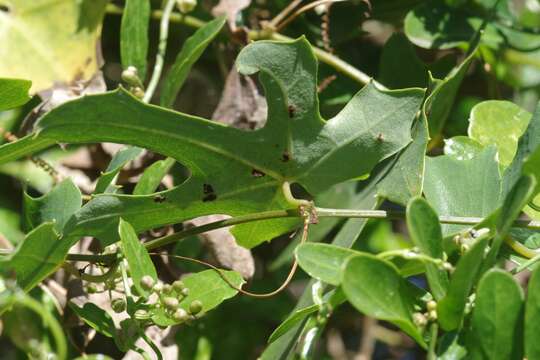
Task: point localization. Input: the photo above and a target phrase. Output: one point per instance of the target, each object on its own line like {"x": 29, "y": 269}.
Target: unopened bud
{"x": 147, "y": 283}
{"x": 130, "y": 76}
{"x": 186, "y": 6}
{"x": 178, "y": 286}
{"x": 170, "y": 303}
{"x": 431, "y": 305}
{"x": 180, "y": 315}
{"x": 195, "y": 307}
{"x": 118, "y": 305}
{"x": 419, "y": 319}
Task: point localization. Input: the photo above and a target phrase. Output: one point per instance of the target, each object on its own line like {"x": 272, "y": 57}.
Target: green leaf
{"x": 293, "y": 319}
{"x": 450, "y": 309}
{"x": 137, "y": 257}
{"x": 134, "y": 35}
{"x": 41, "y": 253}
{"x": 438, "y": 104}
{"x": 58, "y": 206}
{"x": 13, "y": 93}
{"x": 406, "y": 177}
{"x": 400, "y": 66}
{"x": 119, "y": 160}
{"x": 463, "y": 187}
{"x": 152, "y": 176}
{"x": 323, "y": 261}
{"x": 95, "y": 317}
{"x": 190, "y": 53}
{"x": 532, "y": 316}
{"x": 500, "y": 123}
{"x": 375, "y": 288}
{"x": 425, "y": 232}
{"x": 206, "y": 286}
{"x": 462, "y": 147}
{"x": 304, "y": 149}
{"x": 498, "y": 316}
{"x": 43, "y": 41}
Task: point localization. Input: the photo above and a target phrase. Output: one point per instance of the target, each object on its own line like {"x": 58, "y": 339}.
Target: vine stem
{"x": 323, "y": 56}
{"x": 291, "y": 213}
{"x": 162, "y": 47}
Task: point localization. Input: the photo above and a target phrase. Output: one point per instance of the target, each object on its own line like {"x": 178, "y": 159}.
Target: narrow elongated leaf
{"x": 58, "y": 205}
{"x": 152, "y": 176}
{"x": 119, "y": 160}
{"x": 190, "y": 53}
{"x": 293, "y": 319}
{"x": 374, "y": 287}
{"x": 134, "y": 35}
{"x": 41, "y": 253}
{"x": 137, "y": 256}
{"x": 497, "y": 319}
{"x": 13, "y": 93}
{"x": 451, "y": 308}
{"x": 295, "y": 145}
{"x": 49, "y": 42}
{"x": 532, "y": 316}
{"x": 206, "y": 286}
{"x": 95, "y": 317}
{"x": 425, "y": 232}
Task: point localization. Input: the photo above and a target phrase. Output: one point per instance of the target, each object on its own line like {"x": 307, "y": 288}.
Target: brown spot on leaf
{"x": 292, "y": 111}
{"x": 208, "y": 189}
{"x": 285, "y": 157}
{"x": 380, "y": 138}
{"x": 256, "y": 173}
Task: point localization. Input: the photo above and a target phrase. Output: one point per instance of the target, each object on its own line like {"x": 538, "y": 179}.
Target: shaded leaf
{"x": 323, "y": 261}
{"x": 152, "y": 176}
{"x": 95, "y": 317}
{"x": 532, "y": 316}
{"x": 190, "y": 53}
{"x": 120, "y": 159}
{"x": 294, "y": 318}
{"x": 139, "y": 261}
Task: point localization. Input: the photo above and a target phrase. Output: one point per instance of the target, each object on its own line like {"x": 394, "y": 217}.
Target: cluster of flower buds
{"x": 422, "y": 319}
{"x": 131, "y": 77}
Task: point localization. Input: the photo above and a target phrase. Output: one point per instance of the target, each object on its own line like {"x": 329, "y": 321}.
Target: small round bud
{"x": 158, "y": 288}
{"x": 91, "y": 288}
{"x": 118, "y": 305}
{"x": 170, "y": 303}
{"x": 141, "y": 314}
{"x": 185, "y": 292}
{"x": 180, "y": 315}
{"x": 137, "y": 91}
{"x": 167, "y": 289}
{"x": 447, "y": 266}
{"x": 130, "y": 76}
{"x": 147, "y": 283}
{"x": 178, "y": 286}
{"x": 110, "y": 284}
{"x": 195, "y": 307}
{"x": 186, "y": 6}
{"x": 431, "y": 305}
{"x": 419, "y": 319}
{"x": 432, "y": 315}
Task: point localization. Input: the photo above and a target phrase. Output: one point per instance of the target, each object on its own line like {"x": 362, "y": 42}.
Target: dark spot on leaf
{"x": 209, "y": 197}
{"x": 4, "y": 8}
{"x": 208, "y": 189}
{"x": 292, "y": 111}
{"x": 159, "y": 199}
{"x": 285, "y": 156}
{"x": 380, "y": 138}
{"x": 256, "y": 173}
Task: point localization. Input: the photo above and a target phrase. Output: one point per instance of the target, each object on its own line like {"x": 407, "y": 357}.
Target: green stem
{"x": 433, "y": 342}
{"x": 162, "y": 47}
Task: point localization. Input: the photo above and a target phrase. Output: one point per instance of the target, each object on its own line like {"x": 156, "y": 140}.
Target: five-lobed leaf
{"x": 296, "y": 145}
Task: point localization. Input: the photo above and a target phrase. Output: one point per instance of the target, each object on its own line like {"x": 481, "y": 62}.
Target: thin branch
{"x": 303, "y": 9}
{"x": 162, "y": 47}
{"x": 286, "y": 11}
